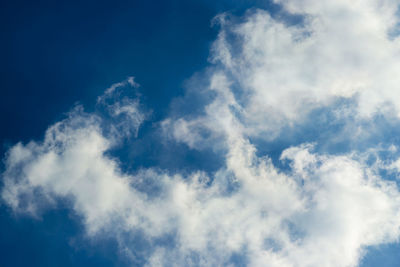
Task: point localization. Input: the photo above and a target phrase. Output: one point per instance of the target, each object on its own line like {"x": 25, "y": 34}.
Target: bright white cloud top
{"x": 267, "y": 77}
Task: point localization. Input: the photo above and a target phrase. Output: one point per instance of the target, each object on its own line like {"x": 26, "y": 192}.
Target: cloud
{"x": 310, "y": 207}
{"x": 281, "y": 72}
{"x": 324, "y": 207}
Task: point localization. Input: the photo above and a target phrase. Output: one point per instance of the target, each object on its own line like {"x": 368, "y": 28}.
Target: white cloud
{"x": 341, "y": 49}
{"x": 327, "y": 206}
{"x": 322, "y": 210}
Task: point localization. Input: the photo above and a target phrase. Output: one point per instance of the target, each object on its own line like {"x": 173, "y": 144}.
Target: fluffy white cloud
{"x": 317, "y": 210}
{"x": 326, "y": 207}
{"x": 341, "y": 49}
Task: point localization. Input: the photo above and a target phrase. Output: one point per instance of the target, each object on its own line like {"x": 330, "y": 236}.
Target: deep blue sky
{"x": 56, "y": 53}
{"x": 70, "y": 51}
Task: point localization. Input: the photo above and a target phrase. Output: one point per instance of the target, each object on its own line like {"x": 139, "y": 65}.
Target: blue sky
{"x": 199, "y": 133}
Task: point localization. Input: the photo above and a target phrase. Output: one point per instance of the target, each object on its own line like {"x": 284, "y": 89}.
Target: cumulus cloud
{"x": 341, "y": 49}
{"x": 324, "y": 207}
{"x": 310, "y": 208}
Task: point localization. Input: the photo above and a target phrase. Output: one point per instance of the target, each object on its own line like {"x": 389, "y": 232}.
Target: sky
{"x": 200, "y": 133}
